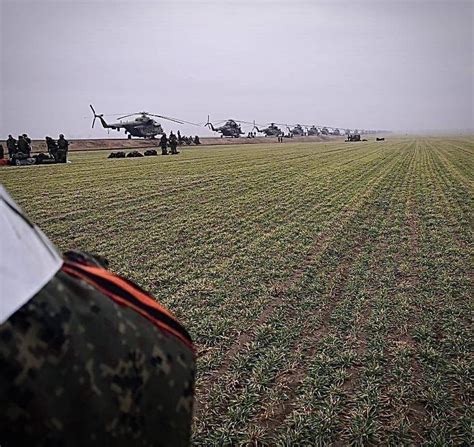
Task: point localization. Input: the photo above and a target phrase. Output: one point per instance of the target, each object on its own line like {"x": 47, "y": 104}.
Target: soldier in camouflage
{"x": 63, "y": 148}
{"x": 91, "y": 359}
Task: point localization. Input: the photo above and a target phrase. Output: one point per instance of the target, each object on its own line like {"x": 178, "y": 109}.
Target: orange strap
{"x": 126, "y": 293}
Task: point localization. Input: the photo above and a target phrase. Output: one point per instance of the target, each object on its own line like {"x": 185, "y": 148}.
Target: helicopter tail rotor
{"x": 100, "y": 116}
{"x": 95, "y": 115}
{"x": 209, "y": 124}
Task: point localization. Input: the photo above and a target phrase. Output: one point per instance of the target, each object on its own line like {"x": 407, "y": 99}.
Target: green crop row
{"x": 327, "y": 286}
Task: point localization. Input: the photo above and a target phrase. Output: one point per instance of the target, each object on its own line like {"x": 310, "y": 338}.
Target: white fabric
{"x": 28, "y": 260}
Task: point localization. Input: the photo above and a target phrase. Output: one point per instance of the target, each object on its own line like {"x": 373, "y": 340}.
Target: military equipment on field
{"x": 379, "y": 139}
{"x": 142, "y": 126}
{"x": 134, "y": 154}
{"x": 230, "y": 128}
{"x": 118, "y": 154}
{"x": 150, "y": 152}
{"x": 312, "y": 131}
{"x": 43, "y": 159}
{"x": 271, "y": 131}
{"x": 353, "y": 137}
{"x": 324, "y": 131}
{"x": 296, "y": 131}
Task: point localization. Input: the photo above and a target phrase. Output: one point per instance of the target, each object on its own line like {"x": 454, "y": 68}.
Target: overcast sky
{"x": 375, "y": 65}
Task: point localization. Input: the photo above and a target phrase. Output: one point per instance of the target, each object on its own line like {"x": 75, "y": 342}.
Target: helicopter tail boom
{"x": 255, "y": 127}
{"x": 102, "y": 121}
{"x": 209, "y": 124}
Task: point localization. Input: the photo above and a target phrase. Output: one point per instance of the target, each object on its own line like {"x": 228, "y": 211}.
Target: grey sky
{"x": 384, "y": 64}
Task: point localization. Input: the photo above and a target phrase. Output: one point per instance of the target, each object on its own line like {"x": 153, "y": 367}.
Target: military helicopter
{"x": 229, "y": 129}
{"x": 312, "y": 131}
{"x": 271, "y": 131}
{"x": 142, "y": 126}
{"x": 296, "y": 131}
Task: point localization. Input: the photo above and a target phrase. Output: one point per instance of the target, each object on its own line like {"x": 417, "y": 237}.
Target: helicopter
{"x": 142, "y": 126}
{"x": 312, "y": 131}
{"x": 271, "y": 131}
{"x": 229, "y": 129}
{"x": 296, "y": 131}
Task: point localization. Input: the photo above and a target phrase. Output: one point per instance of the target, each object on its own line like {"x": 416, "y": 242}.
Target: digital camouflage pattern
{"x": 76, "y": 368}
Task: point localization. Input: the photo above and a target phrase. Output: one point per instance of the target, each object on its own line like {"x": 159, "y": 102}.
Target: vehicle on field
{"x": 230, "y": 128}
{"x": 271, "y": 131}
{"x": 353, "y": 137}
{"x": 143, "y": 126}
{"x": 324, "y": 131}
{"x": 296, "y": 131}
{"x": 312, "y": 131}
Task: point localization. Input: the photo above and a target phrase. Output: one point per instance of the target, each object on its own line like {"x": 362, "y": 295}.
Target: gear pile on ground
{"x": 43, "y": 158}
{"x": 134, "y": 154}
{"x": 118, "y": 154}
{"x": 150, "y": 152}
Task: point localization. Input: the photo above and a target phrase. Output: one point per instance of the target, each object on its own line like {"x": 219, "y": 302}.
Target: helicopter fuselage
{"x": 312, "y": 131}
{"x": 143, "y": 130}
{"x": 297, "y": 131}
{"x": 270, "y": 131}
{"x": 230, "y": 131}
{"x": 136, "y": 128}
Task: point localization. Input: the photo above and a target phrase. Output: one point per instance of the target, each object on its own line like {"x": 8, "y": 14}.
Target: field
{"x": 327, "y": 286}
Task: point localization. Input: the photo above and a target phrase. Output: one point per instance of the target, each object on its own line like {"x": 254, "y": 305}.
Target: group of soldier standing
{"x": 58, "y": 149}
{"x": 174, "y": 141}
{"x": 19, "y": 150}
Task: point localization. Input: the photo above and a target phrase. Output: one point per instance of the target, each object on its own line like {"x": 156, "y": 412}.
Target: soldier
{"x": 2, "y": 152}
{"x": 63, "y": 147}
{"x": 11, "y": 146}
{"x": 196, "y": 140}
{"x": 173, "y": 143}
{"x": 164, "y": 144}
{"x": 28, "y": 142}
{"x": 23, "y": 148}
{"x": 52, "y": 148}
{"x": 180, "y": 138}
{"x": 87, "y": 357}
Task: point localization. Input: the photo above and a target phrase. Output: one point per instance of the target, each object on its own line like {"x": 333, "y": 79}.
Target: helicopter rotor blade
{"x": 95, "y": 115}
{"x": 209, "y": 124}
{"x": 176, "y": 120}
{"x": 126, "y": 116}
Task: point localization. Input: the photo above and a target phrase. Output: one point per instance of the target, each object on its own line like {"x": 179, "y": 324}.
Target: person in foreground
{"x": 86, "y": 356}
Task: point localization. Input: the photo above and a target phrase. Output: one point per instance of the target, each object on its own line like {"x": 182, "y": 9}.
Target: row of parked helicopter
{"x": 144, "y": 126}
